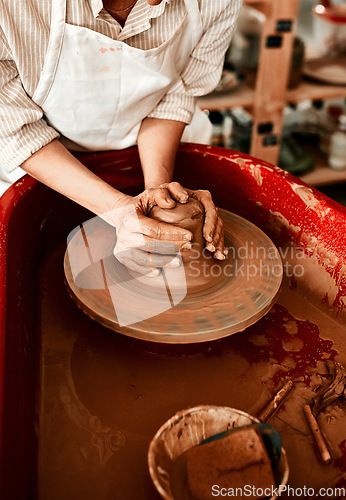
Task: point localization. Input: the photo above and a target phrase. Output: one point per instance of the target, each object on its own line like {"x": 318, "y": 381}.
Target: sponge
{"x": 237, "y": 461}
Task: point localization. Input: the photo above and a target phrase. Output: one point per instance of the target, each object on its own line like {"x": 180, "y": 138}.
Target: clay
{"x": 188, "y": 215}
{"x": 203, "y": 300}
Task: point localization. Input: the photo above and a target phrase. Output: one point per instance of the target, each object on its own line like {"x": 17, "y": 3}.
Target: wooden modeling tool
{"x": 276, "y": 402}
{"x": 317, "y": 435}
{"x": 327, "y": 395}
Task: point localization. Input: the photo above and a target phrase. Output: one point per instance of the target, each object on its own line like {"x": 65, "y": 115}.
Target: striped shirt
{"x": 24, "y": 36}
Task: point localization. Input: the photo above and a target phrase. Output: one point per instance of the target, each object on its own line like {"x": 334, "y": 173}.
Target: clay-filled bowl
{"x": 188, "y": 428}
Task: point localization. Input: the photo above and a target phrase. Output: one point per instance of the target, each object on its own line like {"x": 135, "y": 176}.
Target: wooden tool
{"x": 275, "y": 403}
{"x": 326, "y": 396}
{"x": 317, "y": 435}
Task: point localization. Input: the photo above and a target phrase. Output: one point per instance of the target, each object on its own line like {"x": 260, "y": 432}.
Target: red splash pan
{"x": 310, "y": 230}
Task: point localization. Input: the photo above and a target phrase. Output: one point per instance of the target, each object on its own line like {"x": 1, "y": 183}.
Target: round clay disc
{"x": 202, "y": 300}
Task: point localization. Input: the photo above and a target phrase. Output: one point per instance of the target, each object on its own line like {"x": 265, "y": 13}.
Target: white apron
{"x": 8, "y": 178}
{"x": 96, "y": 91}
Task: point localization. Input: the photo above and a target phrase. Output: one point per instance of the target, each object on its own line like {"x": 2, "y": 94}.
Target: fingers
{"x": 176, "y": 191}
{"x": 213, "y": 225}
{"x": 220, "y": 250}
{"x": 134, "y": 266}
{"x": 211, "y": 215}
{"x": 157, "y": 230}
{"x": 161, "y": 197}
{"x": 218, "y": 244}
{"x": 166, "y": 247}
{"x": 165, "y": 196}
{"x": 128, "y": 241}
{"x": 154, "y": 244}
{"x": 144, "y": 262}
{"x": 145, "y": 255}
{"x": 152, "y": 260}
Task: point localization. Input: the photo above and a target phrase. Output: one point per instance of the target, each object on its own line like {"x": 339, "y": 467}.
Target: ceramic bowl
{"x": 188, "y": 428}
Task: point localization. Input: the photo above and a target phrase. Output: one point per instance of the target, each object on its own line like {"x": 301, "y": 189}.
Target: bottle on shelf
{"x": 337, "y": 150}
{"x": 330, "y": 121}
{"x": 296, "y": 63}
{"x": 227, "y": 130}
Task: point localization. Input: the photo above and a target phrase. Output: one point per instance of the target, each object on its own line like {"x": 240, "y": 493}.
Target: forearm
{"x": 158, "y": 141}
{"x": 56, "y": 167}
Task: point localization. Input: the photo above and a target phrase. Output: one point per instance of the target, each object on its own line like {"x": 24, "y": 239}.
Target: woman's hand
{"x": 213, "y": 224}
{"x": 158, "y": 142}
{"x": 143, "y": 244}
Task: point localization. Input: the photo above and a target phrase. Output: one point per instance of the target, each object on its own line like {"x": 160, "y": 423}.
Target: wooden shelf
{"x": 264, "y": 92}
{"x": 323, "y": 176}
{"x": 244, "y": 95}
{"x": 315, "y": 91}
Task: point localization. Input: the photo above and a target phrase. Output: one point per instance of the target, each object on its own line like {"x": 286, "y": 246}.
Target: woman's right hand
{"x": 145, "y": 245}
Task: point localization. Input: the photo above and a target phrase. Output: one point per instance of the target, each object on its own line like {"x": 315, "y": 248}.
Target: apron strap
{"x": 58, "y": 21}
{"x": 192, "y": 7}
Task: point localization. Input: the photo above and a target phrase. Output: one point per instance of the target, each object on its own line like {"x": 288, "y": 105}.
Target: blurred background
{"x": 282, "y": 95}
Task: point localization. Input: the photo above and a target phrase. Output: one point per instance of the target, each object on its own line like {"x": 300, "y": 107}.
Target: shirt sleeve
{"x": 203, "y": 70}
{"x": 23, "y": 130}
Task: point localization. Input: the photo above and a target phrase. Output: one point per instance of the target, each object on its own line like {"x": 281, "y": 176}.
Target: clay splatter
{"x": 340, "y": 462}
{"x": 286, "y": 337}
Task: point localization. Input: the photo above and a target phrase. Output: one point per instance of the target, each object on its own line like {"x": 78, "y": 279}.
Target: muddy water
{"x": 103, "y": 396}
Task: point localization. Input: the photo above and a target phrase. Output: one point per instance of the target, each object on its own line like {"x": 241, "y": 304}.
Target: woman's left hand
{"x": 213, "y": 224}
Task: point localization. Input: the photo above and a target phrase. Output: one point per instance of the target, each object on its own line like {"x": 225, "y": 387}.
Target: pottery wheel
{"x": 202, "y": 300}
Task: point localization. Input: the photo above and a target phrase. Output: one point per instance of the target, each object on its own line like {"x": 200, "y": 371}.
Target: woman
{"x": 108, "y": 75}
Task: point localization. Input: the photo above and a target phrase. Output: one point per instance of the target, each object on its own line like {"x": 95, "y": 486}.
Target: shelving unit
{"x": 267, "y": 101}
{"x": 244, "y": 95}
{"x": 315, "y": 91}
{"x": 322, "y": 175}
